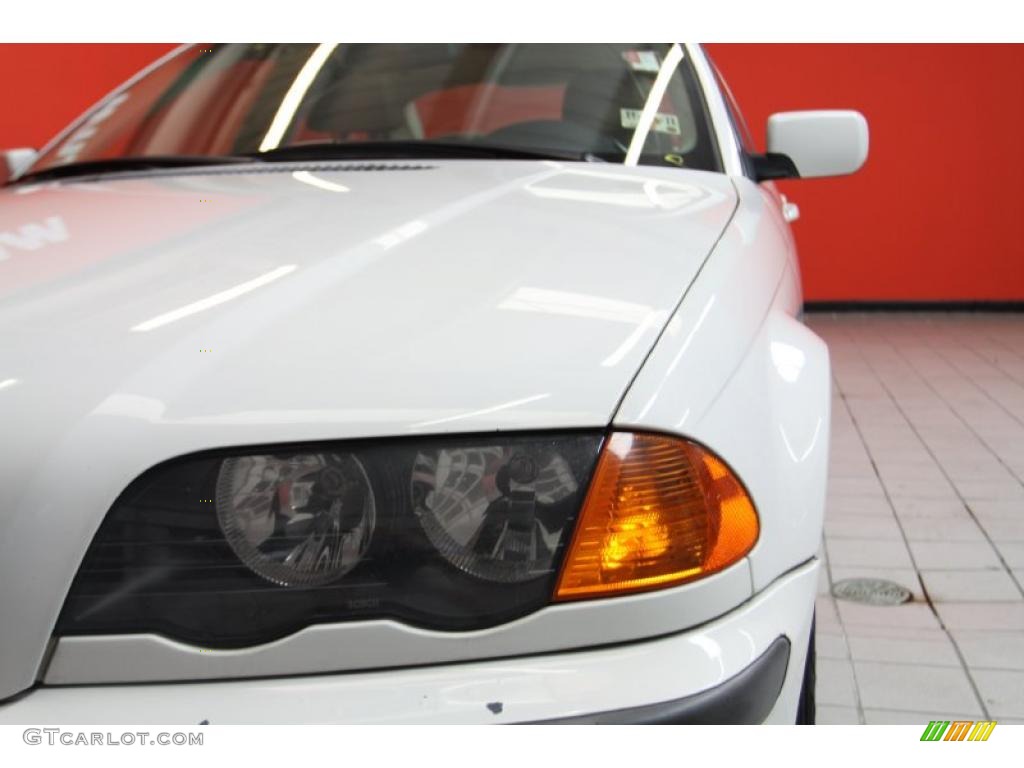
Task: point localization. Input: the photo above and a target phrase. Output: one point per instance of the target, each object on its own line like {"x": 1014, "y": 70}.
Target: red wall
{"x": 935, "y": 214}
{"x": 45, "y": 86}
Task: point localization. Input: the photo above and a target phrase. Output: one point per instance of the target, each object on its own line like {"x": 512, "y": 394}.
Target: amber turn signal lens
{"x": 660, "y": 511}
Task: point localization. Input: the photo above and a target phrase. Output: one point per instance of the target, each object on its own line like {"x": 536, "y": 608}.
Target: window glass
{"x": 637, "y": 102}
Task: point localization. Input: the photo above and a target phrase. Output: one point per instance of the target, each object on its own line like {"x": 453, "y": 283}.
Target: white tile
{"x": 1003, "y": 529}
{"x": 947, "y": 555}
{"x": 835, "y": 683}
{"x": 828, "y": 714}
{"x": 932, "y": 508}
{"x": 915, "y": 687}
{"x": 863, "y": 527}
{"x": 908, "y": 615}
{"x": 907, "y": 632}
{"x": 838, "y": 505}
{"x": 930, "y": 529}
{"x": 850, "y": 467}
{"x": 879, "y": 553}
{"x": 825, "y": 614}
{"x": 907, "y": 454}
{"x": 991, "y": 490}
{"x": 926, "y": 471}
{"x": 922, "y": 489}
{"x": 991, "y": 650}
{"x": 970, "y": 586}
{"x": 934, "y": 648}
{"x": 831, "y": 645}
{"x": 1012, "y": 552}
{"x": 1002, "y": 692}
{"x": 998, "y": 616}
{"x": 1010, "y": 509}
{"x": 903, "y": 717}
{"x": 988, "y": 471}
{"x": 856, "y": 486}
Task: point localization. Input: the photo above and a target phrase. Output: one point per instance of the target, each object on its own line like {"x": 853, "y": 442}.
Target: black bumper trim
{"x": 745, "y": 699}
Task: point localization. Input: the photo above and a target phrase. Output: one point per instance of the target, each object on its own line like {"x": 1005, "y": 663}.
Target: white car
{"x": 434, "y": 383}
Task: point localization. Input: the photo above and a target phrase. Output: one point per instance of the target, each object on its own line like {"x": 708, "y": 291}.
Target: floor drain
{"x": 871, "y": 591}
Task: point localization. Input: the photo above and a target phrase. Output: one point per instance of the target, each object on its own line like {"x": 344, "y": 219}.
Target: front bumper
{"x": 746, "y": 666}
{"x": 746, "y": 699}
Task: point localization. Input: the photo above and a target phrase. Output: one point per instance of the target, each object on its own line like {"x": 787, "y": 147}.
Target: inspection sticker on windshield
{"x": 663, "y": 123}
{"x": 642, "y": 61}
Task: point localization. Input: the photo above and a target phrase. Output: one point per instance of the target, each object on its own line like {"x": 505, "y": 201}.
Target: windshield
{"x": 627, "y": 103}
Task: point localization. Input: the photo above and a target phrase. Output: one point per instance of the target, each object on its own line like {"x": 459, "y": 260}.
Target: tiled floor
{"x": 926, "y": 489}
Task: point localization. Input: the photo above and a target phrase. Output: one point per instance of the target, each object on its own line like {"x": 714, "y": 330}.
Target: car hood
{"x": 361, "y": 300}
{"x": 144, "y": 317}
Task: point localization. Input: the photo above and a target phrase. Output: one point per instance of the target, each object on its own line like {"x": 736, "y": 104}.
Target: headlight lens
{"x": 496, "y": 512}
{"x": 296, "y": 520}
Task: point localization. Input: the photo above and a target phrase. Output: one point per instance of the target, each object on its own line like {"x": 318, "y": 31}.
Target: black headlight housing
{"x": 235, "y": 548}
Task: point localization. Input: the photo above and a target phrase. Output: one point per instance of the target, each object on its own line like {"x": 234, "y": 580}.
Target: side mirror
{"x": 812, "y": 144}
{"x": 14, "y": 162}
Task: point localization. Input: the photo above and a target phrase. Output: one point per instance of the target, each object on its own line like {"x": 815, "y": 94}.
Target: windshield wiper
{"x": 378, "y": 150}
{"x": 143, "y": 163}
{"x": 414, "y": 149}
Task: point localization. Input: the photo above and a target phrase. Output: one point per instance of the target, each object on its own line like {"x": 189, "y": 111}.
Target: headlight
{"x": 230, "y": 549}
{"x": 496, "y": 512}
{"x": 296, "y": 520}
{"x": 236, "y": 548}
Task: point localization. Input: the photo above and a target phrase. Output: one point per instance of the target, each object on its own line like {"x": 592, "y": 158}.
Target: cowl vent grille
{"x": 255, "y": 168}
{"x": 310, "y": 166}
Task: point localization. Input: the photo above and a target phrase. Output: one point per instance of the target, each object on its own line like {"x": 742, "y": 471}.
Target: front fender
{"x": 737, "y": 372}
